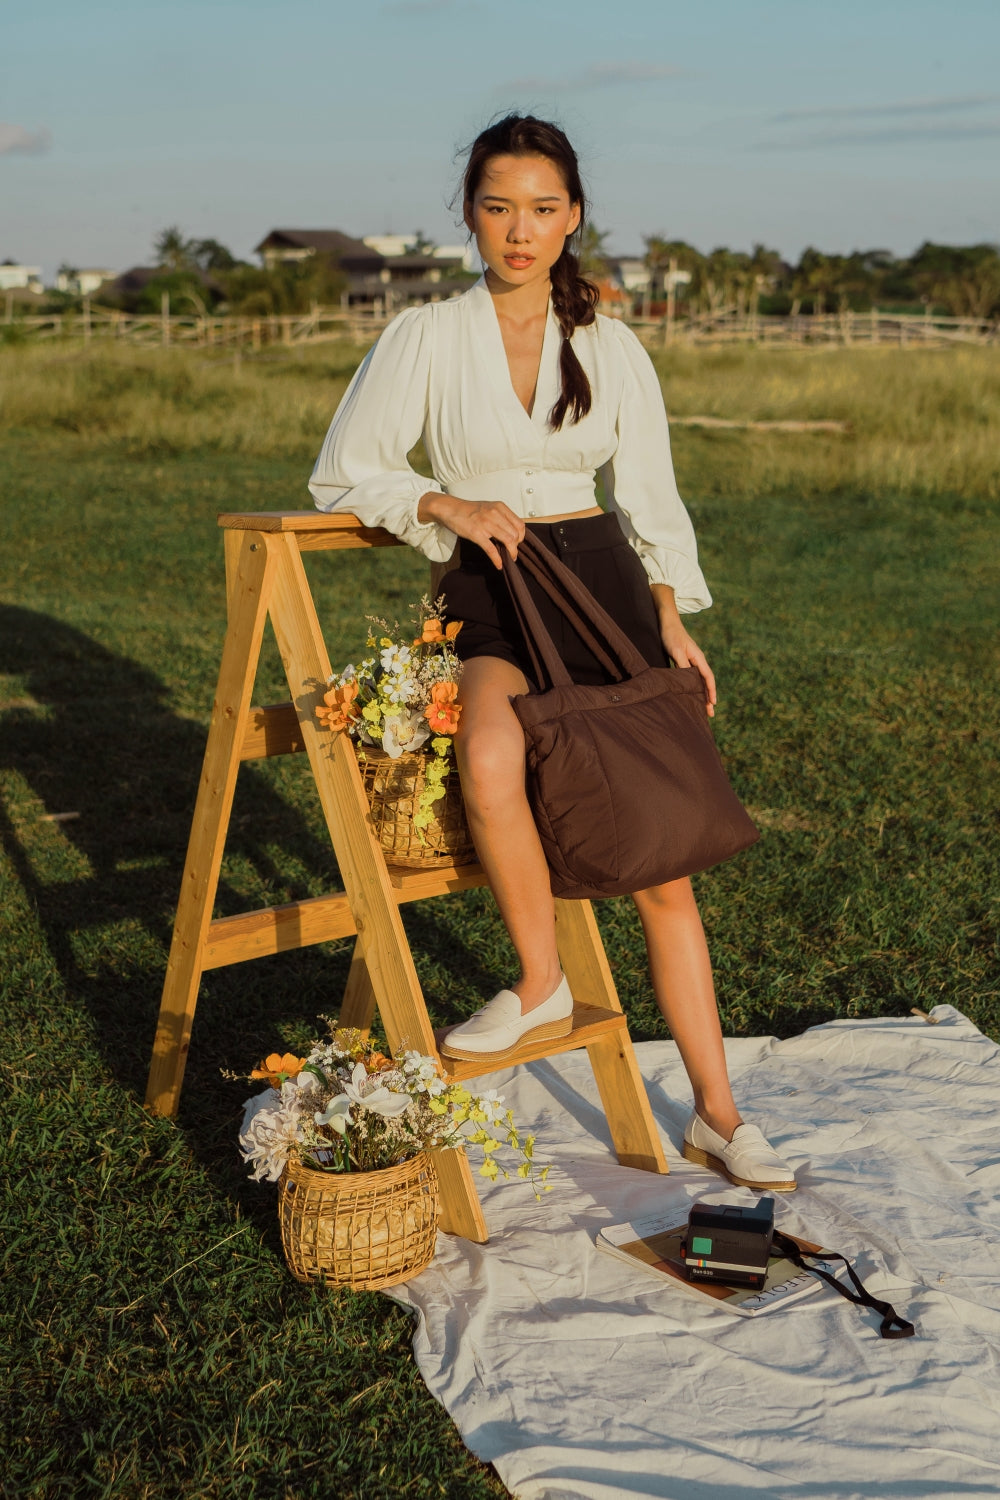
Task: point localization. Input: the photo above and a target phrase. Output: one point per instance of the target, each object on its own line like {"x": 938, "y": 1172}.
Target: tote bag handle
{"x": 575, "y": 602}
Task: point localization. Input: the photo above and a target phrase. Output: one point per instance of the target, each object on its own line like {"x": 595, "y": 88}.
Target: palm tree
{"x": 592, "y": 253}
{"x": 173, "y": 252}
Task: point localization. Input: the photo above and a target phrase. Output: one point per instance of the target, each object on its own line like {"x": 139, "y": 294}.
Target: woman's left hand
{"x": 684, "y": 652}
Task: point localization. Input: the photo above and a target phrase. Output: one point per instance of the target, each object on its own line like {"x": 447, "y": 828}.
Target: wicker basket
{"x": 359, "y": 1229}
{"x": 393, "y": 787}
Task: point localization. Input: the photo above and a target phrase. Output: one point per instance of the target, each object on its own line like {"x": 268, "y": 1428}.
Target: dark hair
{"x": 574, "y": 298}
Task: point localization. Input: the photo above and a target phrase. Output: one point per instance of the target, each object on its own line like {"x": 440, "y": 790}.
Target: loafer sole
{"x": 550, "y": 1031}
{"x": 706, "y": 1159}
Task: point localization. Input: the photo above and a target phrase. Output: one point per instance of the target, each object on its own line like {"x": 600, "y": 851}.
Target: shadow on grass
{"x": 92, "y": 735}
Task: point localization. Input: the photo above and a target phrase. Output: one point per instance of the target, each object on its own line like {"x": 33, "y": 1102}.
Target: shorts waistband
{"x": 587, "y": 534}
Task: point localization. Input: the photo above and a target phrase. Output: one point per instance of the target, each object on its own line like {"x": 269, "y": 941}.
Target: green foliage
{"x": 962, "y": 280}
{"x": 593, "y": 251}
{"x": 157, "y": 1346}
{"x": 290, "y": 287}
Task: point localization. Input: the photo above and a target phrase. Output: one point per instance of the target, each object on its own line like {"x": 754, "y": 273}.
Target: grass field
{"x": 159, "y": 1348}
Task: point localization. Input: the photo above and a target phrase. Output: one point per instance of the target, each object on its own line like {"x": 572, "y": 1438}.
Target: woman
{"x": 521, "y": 394}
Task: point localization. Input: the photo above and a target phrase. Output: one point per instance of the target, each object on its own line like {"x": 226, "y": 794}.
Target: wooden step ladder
{"x": 265, "y": 577}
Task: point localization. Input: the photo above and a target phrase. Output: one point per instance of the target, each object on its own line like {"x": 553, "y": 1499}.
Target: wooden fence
{"x": 325, "y": 324}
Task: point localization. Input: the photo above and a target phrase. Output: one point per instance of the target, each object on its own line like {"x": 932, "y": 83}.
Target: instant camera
{"x": 729, "y": 1243}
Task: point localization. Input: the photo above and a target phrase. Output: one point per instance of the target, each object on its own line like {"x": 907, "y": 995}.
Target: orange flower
{"x": 377, "y": 1062}
{"x": 444, "y": 692}
{"x": 339, "y": 707}
{"x": 278, "y": 1066}
{"x": 443, "y": 717}
{"x": 432, "y": 633}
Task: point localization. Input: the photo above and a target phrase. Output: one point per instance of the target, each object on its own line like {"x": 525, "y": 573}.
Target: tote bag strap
{"x": 591, "y": 622}
{"x": 545, "y": 658}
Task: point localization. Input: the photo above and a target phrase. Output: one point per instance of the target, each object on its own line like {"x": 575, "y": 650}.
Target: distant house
{"x": 289, "y": 246}
{"x": 388, "y": 244}
{"x": 396, "y": 244}
{"x": 630, "y": 272}
{"x": 638, "y": 283}
{"x": 615, "y": 301}
{"x": 14, "y": 276}
{"x": 83, "y": 283}
{"x": 380, "y": 272}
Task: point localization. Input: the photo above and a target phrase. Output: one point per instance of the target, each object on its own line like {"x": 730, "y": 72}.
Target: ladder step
{"x": 589, "y": 1023}
{"x": 320, "y": 919}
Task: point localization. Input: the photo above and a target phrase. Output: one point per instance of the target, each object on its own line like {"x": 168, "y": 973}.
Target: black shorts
{"x": 596, "y": 549}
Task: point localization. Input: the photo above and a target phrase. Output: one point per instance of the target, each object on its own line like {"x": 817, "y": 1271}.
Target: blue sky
{"x": 848, "y": 125}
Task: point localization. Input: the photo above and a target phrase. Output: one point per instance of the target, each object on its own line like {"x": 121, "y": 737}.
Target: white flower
{"x": 270, "y": 1131}
{"x": 399, "y": 690}
{"x": 404, "y": 732}
{"x": 492, "y": 1102}
{"x": 420, "y": 1064}
{"x": 380, "y": 1100}
{"x": 337, "y": 1114}
{"x": 396, "y": 658}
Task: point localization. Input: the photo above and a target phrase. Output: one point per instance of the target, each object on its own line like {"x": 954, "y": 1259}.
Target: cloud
{"x": 16, "y": 138}
{"x": 873, "y": 111}
{"x": 597, "y": 76}
{"x": 929, "y": 132}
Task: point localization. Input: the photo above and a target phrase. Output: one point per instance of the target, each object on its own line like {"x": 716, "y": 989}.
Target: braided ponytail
{"x": 574, "y": 298}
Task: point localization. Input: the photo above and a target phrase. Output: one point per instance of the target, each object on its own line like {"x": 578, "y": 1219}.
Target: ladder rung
{"x": 273, "y": 730}
{"x": 319, "y": 919}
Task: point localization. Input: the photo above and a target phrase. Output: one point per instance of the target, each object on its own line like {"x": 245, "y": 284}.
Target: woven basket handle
{"x": 575, "y": 602}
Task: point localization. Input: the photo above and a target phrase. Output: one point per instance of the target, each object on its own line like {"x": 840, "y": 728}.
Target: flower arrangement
{"x": 346, "y": 1107}
{"x": 403, "y": 697}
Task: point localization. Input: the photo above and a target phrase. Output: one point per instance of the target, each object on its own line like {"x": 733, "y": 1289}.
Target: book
{"x": 655, "y": 1244}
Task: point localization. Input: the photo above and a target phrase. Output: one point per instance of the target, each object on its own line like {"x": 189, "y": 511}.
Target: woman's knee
{"x": 672, "y": 898}
{"x": 489, "y": 760}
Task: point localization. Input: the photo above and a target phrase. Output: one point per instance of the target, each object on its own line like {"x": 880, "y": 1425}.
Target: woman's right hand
{"x": 485, "y": 522}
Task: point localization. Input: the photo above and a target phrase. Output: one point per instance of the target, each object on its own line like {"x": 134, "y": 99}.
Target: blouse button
{"x": 529, "y": 491}
{"x": 529, "y": 472}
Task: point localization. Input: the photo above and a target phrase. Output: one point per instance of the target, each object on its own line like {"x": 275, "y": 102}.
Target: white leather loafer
{"x": 747, "y": 1160}
{"x": 499, "y": 1028}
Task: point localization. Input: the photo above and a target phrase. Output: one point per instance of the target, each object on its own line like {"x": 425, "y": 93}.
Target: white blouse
{"x": 440, "y": 372}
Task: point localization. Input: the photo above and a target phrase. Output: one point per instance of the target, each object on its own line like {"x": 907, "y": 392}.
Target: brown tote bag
{"x": 624, "y": 780}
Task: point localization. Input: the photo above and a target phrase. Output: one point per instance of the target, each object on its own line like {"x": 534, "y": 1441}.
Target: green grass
{"x": 159, "y": 1347}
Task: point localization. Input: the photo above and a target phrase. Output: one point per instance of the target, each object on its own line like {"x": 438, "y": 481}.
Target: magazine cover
{"x": 655, "y": 1243}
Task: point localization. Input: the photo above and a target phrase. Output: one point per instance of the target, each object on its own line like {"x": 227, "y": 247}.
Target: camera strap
{"x": 892, "y": 1326}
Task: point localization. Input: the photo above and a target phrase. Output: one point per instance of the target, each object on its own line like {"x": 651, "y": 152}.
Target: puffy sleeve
{"x": 639, "y": 481}
{"x": 362, "y": 466}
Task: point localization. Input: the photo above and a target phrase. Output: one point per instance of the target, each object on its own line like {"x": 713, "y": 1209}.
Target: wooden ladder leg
{"x": 619, "y": 1082}
{"x": 358, "y": 1005}
{"x": 362, "y": 865}
{"x": 250, "y": 583}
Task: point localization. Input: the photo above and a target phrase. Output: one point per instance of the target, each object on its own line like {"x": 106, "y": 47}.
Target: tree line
{"x": 960, "y": 280}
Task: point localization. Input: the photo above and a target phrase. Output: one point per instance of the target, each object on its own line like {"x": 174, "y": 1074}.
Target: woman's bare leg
{"x": 682, "y": 982}
{"x": 490, "y": 751}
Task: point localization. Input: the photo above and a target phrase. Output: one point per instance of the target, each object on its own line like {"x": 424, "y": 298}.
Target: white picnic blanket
{"x": 577, "y": 1376}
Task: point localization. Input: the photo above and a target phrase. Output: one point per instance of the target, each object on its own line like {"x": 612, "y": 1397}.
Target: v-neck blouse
{"x": 440, "y": 372}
